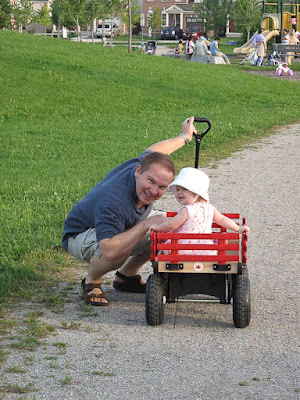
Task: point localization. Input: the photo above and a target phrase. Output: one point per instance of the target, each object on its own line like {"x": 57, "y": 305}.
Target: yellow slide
{"x": 248, "y": 47}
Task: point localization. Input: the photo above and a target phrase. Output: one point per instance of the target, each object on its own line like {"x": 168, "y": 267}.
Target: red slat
{"x": 185, "y": 257}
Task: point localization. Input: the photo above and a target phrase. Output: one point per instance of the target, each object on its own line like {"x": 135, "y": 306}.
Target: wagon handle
{"x": 199, "y": 137}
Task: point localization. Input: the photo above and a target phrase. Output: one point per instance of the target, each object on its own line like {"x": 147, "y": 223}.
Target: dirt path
{"x": 113, "y": 354}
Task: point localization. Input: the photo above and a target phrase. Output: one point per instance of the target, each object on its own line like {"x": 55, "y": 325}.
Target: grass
{"x": 70, "y": 112}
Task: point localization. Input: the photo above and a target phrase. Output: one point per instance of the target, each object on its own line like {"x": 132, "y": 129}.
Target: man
{"x": 214, "y": 50}
{"x": 108, "y": 227}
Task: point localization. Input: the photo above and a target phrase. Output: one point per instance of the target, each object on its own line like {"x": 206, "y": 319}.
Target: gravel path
{"x": 113, "y": 354}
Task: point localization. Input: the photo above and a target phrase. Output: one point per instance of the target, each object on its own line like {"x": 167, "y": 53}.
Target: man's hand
{"x": 188, "y": 128}
{"x": 168, "y": 146}
{"x": 155, "y": 221}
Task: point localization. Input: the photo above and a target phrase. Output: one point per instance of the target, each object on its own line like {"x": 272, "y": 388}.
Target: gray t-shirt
{"x": 110, "y": 207}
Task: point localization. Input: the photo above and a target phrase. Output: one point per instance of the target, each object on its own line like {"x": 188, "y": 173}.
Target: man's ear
{"x": 137, "y": 171}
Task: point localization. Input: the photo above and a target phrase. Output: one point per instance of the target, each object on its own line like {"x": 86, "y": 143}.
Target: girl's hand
{"x": 244, "y": 229}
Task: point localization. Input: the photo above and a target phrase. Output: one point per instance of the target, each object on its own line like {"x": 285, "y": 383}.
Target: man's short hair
{"x": 156, "y": 157}
{"x": 217, "y": 38}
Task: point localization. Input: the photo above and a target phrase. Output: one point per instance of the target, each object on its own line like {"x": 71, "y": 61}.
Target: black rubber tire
{"x": 241, "y": 300}
{"x": 155, "y": 289}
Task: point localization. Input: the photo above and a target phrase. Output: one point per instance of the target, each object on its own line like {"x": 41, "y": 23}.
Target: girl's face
{"x": 184, "y": 196}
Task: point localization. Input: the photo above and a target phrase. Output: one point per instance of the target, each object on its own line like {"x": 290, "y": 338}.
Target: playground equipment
{"x": 273, "y": 23}
{"x": 248, "y": 47}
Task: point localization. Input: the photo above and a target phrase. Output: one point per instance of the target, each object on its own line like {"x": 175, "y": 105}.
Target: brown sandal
{"x": 87, "y": 296}
{"x": 130, "y": 284}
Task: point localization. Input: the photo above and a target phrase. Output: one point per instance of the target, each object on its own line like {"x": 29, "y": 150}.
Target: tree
{"x": 246, "y": 15}
{"x": 43, "y": 17}
{"x": 76, "y": 10}
{"x": 60, "y": 16}
{"x": 5, "y": 11}
{"x": 95, "y": 9}
{"x": 155, "y": 20}
{"x": 135, "y": 16}
{"x": 115, "y": 8}
{"x": 215, "y": 14}
{"x": 23, "y": 13}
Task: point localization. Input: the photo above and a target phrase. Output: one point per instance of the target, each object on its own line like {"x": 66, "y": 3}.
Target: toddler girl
{"x": 197, "y": 214}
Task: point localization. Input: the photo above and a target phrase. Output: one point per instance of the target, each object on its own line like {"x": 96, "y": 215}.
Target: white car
{"x": 106, "y": 29}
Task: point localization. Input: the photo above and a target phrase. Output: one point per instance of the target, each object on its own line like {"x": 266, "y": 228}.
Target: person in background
{"x": 189, "y": 46}
{"x": 206, "y": 39}
{"x": 285, "y": 37}
{"x": 214, "y": 50}
{"x": 293, "y": 21}
{"x": 259, "y": 42}
{"x": 179, "y": 47}
{"x": 201, "y": 52}
{"x": 292, "y": 40}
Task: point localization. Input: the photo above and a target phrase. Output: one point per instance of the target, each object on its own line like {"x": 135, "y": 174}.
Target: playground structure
{"x": 273, "y": 23}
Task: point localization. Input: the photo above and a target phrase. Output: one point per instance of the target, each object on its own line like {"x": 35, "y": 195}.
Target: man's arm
{"x": 168, "y": 146}
{"x": 121, "y": 244}
{"x": 172, "y": 223}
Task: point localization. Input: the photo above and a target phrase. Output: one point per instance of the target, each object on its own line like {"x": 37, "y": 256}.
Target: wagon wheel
{"x": 241, "y": 299}
{"x": 155, "y": 290}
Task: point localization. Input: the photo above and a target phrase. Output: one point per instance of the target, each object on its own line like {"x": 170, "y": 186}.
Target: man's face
{"x": 151, "y": 184}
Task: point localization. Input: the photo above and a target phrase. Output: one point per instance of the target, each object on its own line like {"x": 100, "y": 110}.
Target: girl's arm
{"x": 227, "y": 223}
{"x": 172, "y": 223}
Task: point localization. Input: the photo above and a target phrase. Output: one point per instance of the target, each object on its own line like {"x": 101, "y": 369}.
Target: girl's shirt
{"x": 199, "y": 220}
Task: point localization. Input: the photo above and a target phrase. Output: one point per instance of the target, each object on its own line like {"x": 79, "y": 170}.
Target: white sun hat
{"x": 192, "y": 179}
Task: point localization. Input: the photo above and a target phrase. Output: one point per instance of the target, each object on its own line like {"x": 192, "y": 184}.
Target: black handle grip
{"x": 201, "y": 119}
{"x": 199, "y": 137}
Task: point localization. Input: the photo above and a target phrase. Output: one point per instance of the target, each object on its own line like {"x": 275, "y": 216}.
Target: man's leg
{"x": 225, "y": 58}
{"x": 126, "y": 266}
{"x": 85, "y": 247}
{"x": 132, "y": 266}
{"x": 97, "y": 268}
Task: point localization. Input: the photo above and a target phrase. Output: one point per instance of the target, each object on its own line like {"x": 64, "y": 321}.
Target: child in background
{"x": 197, "y": 214}
{"x": 179, "y": 47}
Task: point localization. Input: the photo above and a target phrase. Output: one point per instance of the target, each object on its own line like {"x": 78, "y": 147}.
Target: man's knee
{"x": 84, "y": 246}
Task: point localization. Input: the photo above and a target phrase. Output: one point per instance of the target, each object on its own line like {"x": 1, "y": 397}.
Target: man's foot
{"x": 93, "y": 294}
{"x": 129, "y": 283}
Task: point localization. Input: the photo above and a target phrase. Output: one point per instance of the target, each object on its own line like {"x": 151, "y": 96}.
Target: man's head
{"x": 217, "y": 39}
{"x": 153, "y": 176}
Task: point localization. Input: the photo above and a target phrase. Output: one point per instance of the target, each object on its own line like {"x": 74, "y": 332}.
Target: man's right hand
{"x": 188, "y": 128}
{"x": 155, "y": 220}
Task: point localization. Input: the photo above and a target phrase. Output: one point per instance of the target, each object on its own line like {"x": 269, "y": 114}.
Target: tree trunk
{"x": 129, "y": 27}
{"x": 77, "y": 24}
{"x": 248, "y": 34}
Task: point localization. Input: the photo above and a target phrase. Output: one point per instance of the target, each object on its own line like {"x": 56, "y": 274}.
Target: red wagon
{"x": 223, "y": 275}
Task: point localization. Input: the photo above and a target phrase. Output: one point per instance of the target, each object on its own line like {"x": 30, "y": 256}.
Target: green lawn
{"x": 72, "y": 111}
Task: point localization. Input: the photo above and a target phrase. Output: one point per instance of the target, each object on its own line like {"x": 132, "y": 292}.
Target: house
{"x": 179, "y": 13}
{"x": 173, "y": 12}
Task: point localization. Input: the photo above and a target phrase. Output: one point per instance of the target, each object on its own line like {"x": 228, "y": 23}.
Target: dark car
{"x": 171, "y": 32}
{"x": 191, "y": 31}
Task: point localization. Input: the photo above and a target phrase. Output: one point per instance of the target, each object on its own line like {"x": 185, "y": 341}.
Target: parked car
{"x": 171, "y": 32}
{"x": 191, "y": 31}
{"x": 106, "y": 29}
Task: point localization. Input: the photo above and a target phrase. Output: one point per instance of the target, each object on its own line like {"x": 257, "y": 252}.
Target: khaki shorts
{"x": 85, "y": 245}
